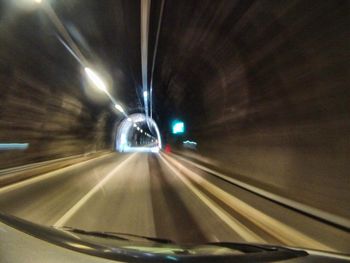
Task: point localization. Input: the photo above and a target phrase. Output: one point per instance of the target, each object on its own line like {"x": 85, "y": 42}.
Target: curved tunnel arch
{"x": 125, "y": 127}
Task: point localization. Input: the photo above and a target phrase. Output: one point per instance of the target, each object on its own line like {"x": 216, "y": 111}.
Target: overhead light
{"x": 145, "y": 94}
{"x": 135, "y": 125}
{"x": 129, "y": 119}
{"x": 95, "y": 79}
{"x": 38, "y": 1}
{"x": 119, "y": 108}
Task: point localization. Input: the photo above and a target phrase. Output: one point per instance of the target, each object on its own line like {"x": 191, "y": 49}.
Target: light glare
{"x": 119, "y": 108}
{"x": 178, "y": 127}
{"x": 95, "y": 79}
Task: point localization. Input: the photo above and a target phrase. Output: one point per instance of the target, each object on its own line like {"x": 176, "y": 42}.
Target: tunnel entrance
{"x": 138, "y": 133}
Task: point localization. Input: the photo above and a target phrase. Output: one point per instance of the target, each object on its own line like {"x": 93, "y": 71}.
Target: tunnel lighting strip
{"x": 74, "y": 50}
{"x": 155, "y": 56}
{"x": 131, "y": 123}
{"x": 326, "y": 217}
{"x": 145, "y": 10}
{"x": 63, "y": 31}
{"x": 92, "y": 75}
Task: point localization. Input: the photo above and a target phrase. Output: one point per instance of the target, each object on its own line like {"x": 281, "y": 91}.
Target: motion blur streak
{"x": 236, "y": 226}
{"x": 280, "y": 231}
{"x": 13, "y": 146}
{"x": 260, "y": 92}
{"x": 86, "y": 197}
{"x": 62, "y": 30}
{"x": 156, "y": 195}
{"x": 125, "y": 136}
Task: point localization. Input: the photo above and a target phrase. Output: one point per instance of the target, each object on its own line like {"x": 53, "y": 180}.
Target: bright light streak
{"x": 145, "y": 94}
{"x": 126, "y": 127}
{"x": 13, "y": 146}
{"x": 95, "y": 79}
{"x": 119, "y": 108}
{"x": 189, "y": 142}
{"x": 141, "y": 149}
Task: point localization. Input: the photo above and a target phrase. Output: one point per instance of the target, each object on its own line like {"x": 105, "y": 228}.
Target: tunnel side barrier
{"x": 24, "y": 172}
{"x": 329, "y": 218}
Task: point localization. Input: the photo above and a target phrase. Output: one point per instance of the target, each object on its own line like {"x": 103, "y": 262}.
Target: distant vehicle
{"x": 22, "y": 241}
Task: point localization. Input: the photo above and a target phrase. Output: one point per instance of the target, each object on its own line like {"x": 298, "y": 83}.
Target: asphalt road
{"x": 157, "y": 195}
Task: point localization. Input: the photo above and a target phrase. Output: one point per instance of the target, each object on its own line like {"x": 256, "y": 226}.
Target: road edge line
{"x": 337, "y": 221}
{"x": 230, "y": 221}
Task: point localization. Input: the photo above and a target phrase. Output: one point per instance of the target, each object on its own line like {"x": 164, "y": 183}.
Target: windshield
{"x": 178, "y": 122}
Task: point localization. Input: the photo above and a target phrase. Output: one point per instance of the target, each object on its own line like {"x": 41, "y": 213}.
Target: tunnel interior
{"x": 264, "y": 94}
{"x": 133, "y": 134}
{"x": 261, "y": 86}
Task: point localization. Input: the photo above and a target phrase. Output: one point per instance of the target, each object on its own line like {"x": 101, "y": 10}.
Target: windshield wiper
{"x": 92, "y": 233}
{"x": 115, "y": 235}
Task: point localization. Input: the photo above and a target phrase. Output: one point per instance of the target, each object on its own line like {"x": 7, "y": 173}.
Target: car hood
{"x": 122, "y": 247}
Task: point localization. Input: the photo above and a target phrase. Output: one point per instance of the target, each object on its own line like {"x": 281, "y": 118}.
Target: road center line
{"x": 86, "y": 197}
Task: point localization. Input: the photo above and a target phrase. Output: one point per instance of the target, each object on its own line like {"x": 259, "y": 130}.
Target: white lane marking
{"x": 87, "y": 196}
{"x": 233, "y": 223}
{"x": 152, "y": 225}
{"x": 338, "y": 220}
{"x": 282, "y": 232}
{"x": 45, "y": 176}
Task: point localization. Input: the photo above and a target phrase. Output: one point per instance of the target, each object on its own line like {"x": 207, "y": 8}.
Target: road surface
{"x": 158, "y": 195}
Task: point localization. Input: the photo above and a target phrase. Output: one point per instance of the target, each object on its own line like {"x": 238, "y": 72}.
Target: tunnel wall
{"x": 53, "y": 122}
{"x": 305, "y": 164}
{"x": 44, "y": 99}
{"x": 266, "y": 94}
